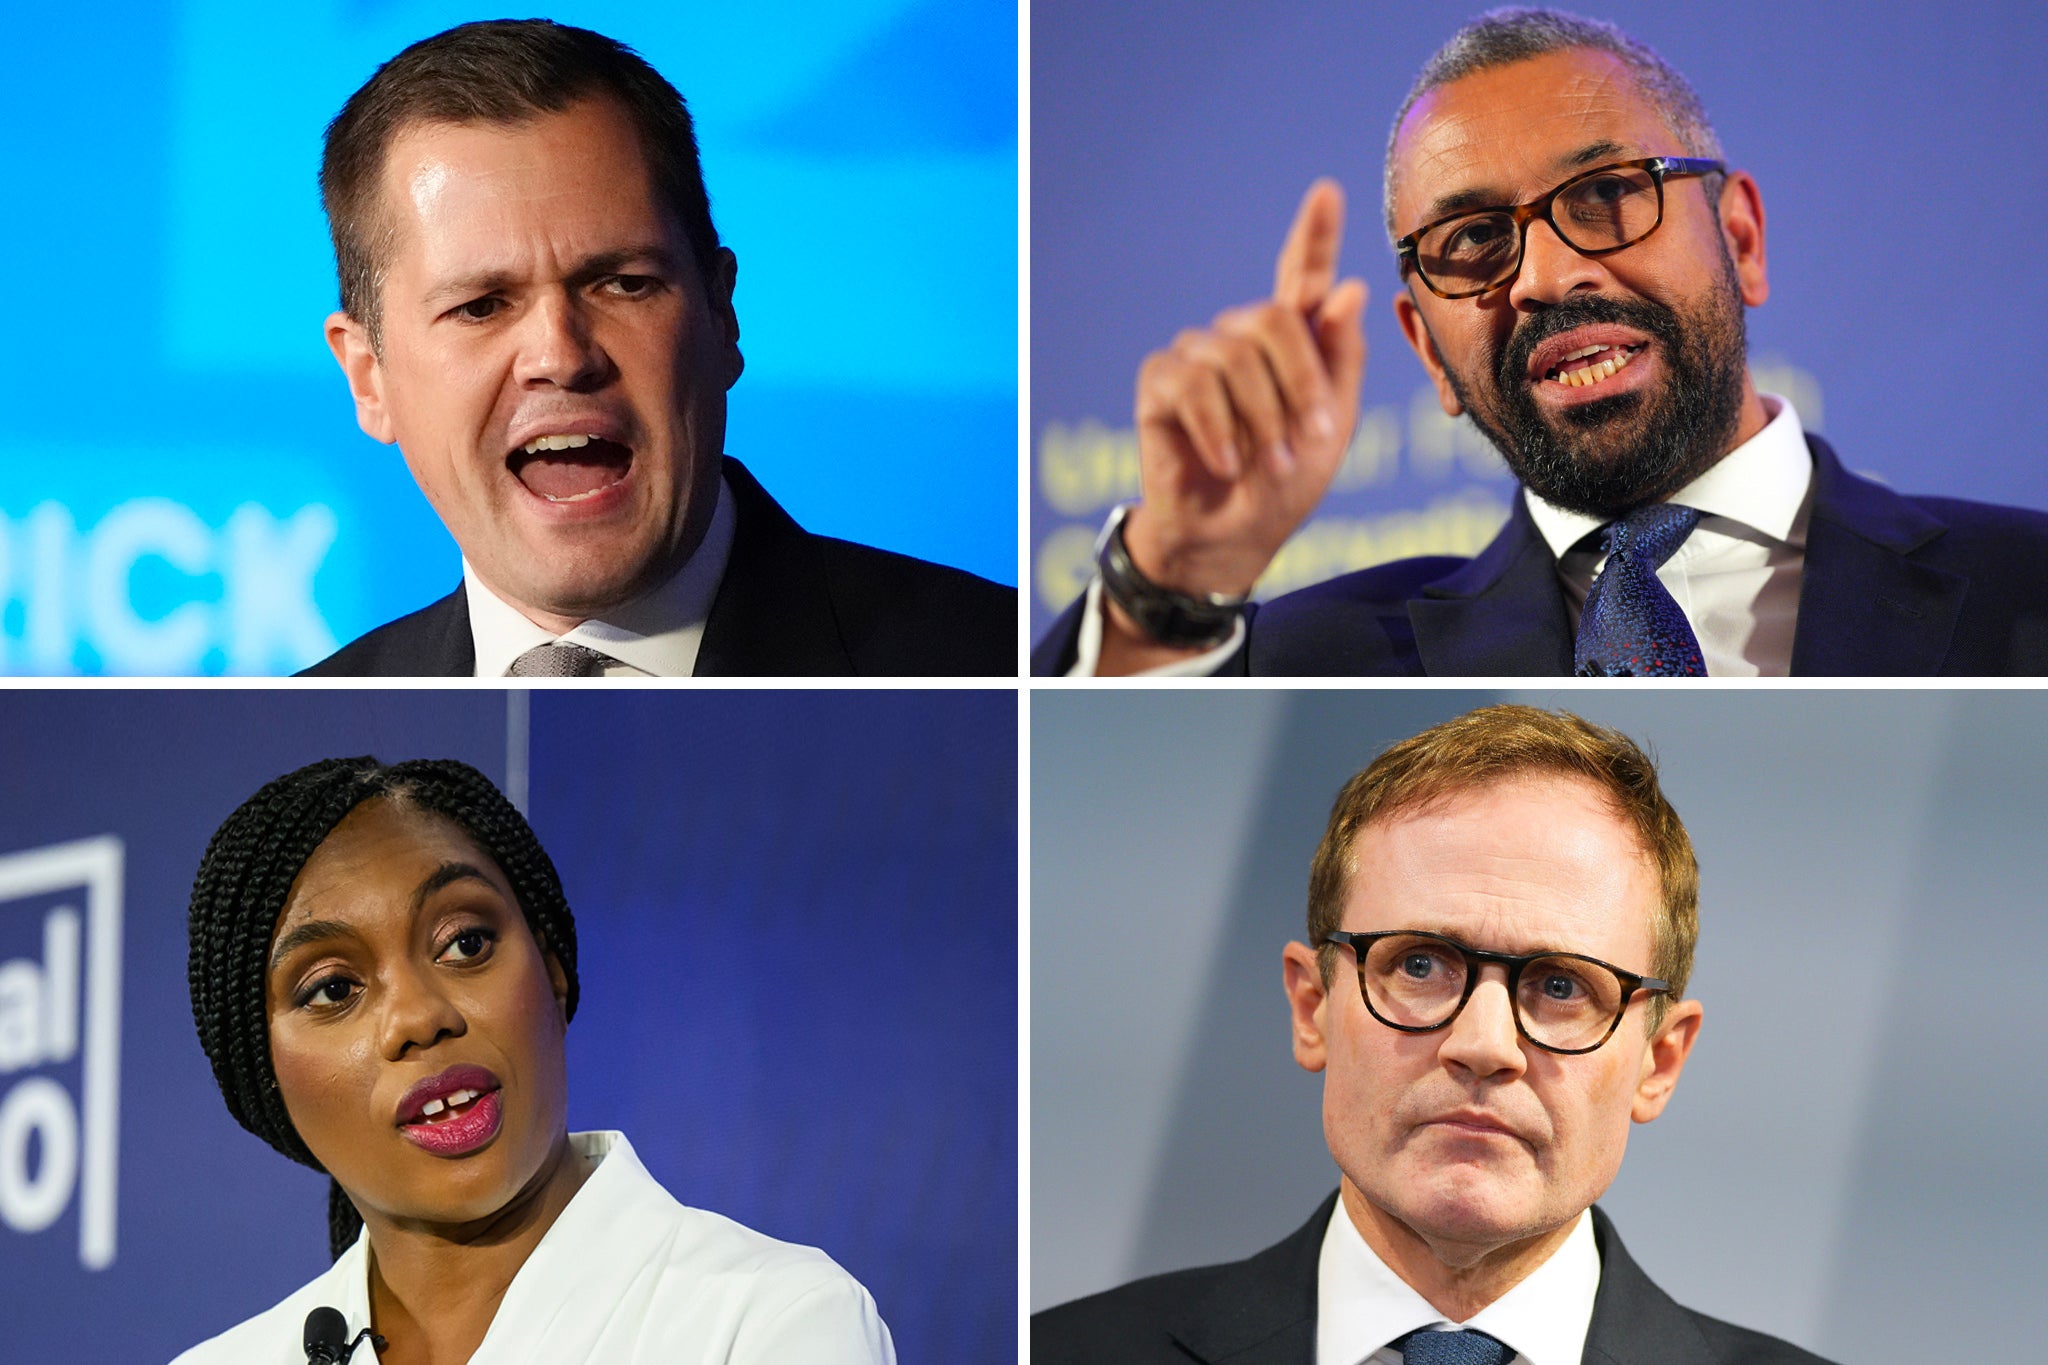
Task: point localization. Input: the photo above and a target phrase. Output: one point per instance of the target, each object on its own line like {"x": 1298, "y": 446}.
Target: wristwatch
{"x": 1169, "y": 617}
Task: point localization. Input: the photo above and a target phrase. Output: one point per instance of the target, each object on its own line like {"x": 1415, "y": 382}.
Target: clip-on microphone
{"x": 327, "y": 1340}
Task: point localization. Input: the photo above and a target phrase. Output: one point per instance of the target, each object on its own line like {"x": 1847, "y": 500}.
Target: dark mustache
{"x": 1656, "y": 320}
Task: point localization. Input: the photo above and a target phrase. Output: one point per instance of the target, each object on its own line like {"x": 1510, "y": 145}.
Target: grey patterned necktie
{"x": 1453, "y": 1348}
{"x": 557, "y": 660}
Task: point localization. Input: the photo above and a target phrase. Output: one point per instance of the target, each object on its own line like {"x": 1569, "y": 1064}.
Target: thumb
{"x": 1340, "y": 336}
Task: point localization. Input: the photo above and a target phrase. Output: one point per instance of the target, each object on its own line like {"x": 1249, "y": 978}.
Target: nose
{"x": 1483, "y": 1040}
{"x": 417, "y": 1012}
{"x": 1551, "y": 270}
{"x": 557, "y": 347}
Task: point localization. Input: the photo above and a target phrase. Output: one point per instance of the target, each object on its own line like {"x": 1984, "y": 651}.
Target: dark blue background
{"x": 797, "y": 922}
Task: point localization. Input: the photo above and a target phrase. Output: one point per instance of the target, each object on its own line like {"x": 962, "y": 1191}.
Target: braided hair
{"x": 248, "y": 871}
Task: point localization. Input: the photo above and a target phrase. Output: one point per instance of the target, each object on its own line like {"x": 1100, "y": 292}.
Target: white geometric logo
{"x": 42, "y": 1024}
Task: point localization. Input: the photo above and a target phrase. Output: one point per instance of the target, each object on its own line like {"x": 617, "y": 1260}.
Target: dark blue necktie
{"x": 1630, "y": 626}
{"x": 1452, "y": 1348}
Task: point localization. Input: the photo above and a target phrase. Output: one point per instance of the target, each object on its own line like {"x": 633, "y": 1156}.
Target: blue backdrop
{"x": 796, "y": 915}
{"x": 1172, "y": 140}
{"x": 192, "y": 493}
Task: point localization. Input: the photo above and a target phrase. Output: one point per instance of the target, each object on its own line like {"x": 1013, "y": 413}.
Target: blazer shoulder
{"x": 1131, "y": 1323}
{"x": 899, "y": 614}
{"x": 1743, "y": 1346}
{"x": 1635, "y": 1320}
{"x": 1354, "y": 625}
{"x": 1262, "y": 1308}
{"x": 432, "y": 642}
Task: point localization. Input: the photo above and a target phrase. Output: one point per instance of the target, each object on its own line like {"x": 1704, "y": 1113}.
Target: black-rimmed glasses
{"x": 1600, "y": 211}
{"x": 1418, "y": 982}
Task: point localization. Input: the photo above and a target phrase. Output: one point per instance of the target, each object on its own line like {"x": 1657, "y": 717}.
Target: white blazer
{"x": 626, "y": 1276}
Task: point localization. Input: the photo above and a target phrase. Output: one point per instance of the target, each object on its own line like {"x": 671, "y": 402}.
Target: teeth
{"x": 454, "y": 1101}
{"x": 540, "y": 443}
{"x": 1593, "y": 374}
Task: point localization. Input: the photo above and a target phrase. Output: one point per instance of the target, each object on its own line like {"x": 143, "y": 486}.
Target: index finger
{"x": 1308, "y": 262}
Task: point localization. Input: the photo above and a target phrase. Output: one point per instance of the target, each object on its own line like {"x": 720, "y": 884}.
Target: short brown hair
{"x": 1494, "y": 744}
{"x": 506, "y": 71}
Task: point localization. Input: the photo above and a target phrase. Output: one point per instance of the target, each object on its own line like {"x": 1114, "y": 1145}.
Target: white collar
{"x": 658, "y": 633}
{"x": 1760, "y": 484}
{"x": 1362, "y": 1305}
{"x": 609, "y": 1211}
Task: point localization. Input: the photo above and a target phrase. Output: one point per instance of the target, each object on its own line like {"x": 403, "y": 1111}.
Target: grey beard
{"x": 1609, "y": 456}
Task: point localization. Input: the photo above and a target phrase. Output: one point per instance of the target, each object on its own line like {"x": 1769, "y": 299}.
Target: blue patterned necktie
{"x": 1630, "y": 626}
{"x": 1452, "y": 1348}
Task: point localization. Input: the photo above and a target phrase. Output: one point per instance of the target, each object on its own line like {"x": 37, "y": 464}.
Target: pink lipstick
{"x": 454, "y": 1113}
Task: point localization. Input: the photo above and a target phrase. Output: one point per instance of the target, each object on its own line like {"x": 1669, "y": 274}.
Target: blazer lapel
{"x": 1501, "y": 614}
{"x": 1634, "y": 1320}
{"x": 1264, "y": 1311}
{"x": 773, "y": 615}
{"x": 1864, "y": 606}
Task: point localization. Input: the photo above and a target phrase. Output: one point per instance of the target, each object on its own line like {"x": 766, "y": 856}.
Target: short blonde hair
{"x": 1494, "y": 744}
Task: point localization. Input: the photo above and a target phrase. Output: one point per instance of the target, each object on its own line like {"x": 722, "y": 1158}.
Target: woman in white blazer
{"x": 383, "y": 967}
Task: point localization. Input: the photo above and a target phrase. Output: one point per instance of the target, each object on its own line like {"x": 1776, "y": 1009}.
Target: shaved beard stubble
{"x": 1612, "y": 455}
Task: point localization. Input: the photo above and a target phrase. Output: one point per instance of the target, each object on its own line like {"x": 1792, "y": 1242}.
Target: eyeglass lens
{"x": 1608, "y": 209}
{"x": 1418, "y": 982}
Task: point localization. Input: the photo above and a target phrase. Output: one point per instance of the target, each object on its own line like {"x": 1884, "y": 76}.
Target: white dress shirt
{"x": 1362, "y": 1306}
{"x": 655, "y": 636}
{"x": 626, "y": 1276}
{"x": 1736, "y": 577}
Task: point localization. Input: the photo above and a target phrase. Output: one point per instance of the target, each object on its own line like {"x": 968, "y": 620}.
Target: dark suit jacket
{"x": 790, "y": 603}
{"x": 1263, "y": 1312}
{"x": 1893, "y": 586}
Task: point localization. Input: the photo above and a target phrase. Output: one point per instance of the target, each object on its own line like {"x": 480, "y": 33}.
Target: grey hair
{"x": 1501, "y": 37}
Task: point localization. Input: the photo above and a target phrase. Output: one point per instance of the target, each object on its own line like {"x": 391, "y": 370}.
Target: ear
{"x": 1664, "y": 1058}
{"x": 1742, "y": 228}
{"x": 350, "y": 342}
{"x": 1409, "y": 314}
{"x": 1306, "y": 999}
{"x": 718, "y": 290}
{"x": 558, "y": 978}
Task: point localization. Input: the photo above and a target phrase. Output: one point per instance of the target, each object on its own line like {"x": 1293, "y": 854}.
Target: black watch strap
{"x": 1169, "y": 617}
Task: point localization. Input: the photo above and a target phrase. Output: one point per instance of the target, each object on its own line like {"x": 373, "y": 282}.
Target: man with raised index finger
{"x": 1501, "y": 921}
{"x": 1575, "y": 256}
{"x": 537, "y": 310}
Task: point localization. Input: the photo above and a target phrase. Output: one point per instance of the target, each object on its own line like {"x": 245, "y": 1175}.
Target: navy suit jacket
{"x": 1262, "y": 1311}
{"x": 790, "y": 604}
{"x": 1893, "y": 586}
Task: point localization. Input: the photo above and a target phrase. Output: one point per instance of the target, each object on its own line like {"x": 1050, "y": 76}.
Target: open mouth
{"x": 456, "y": 1123}
{"x": 569, "y": 468}
{"x": 1590, "y": 364}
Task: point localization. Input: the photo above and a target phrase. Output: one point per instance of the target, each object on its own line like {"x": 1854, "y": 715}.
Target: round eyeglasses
{"x": 1418, "y": 982}
{"x": 1476, "y": 251}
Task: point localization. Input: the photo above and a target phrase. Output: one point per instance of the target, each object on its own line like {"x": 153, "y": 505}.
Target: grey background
{"x": 1852, "y": 1157}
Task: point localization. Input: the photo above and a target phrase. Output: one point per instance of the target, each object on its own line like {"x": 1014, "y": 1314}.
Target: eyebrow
{"x": 320, "y": 930}
{"x": 480, "y": 282}
{"x": 1487, "y": 197}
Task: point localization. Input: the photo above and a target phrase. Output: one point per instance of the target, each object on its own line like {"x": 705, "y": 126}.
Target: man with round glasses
{"x": 1501, "y": 920}
{"x": 1575, "y": 256}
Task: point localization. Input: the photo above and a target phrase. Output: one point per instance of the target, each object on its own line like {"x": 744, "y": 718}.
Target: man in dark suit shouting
{"x": 537, "y": 310}
{"x": 1501, "y": 921}
{"x": 1575, "y": 257}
